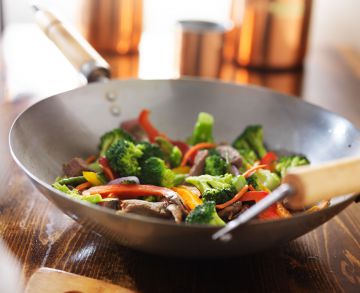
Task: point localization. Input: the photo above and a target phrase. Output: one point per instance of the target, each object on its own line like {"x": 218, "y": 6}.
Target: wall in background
{"x": 334, "y": 22}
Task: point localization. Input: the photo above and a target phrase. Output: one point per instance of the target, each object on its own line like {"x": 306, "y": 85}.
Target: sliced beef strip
{"x": 134, "y": 129}
{"x": 75, "y": 167}
{"x": 176, "y": 211}
{"x": 145, "y": 208}
{"x": 230, "y": 154}
{"x": 199, "y": 163}
{"x": 229, "y": 213}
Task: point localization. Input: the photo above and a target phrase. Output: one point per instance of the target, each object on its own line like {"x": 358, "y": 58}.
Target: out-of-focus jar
{"x": 273, "y": 34}
{"x": 112, "y": 25}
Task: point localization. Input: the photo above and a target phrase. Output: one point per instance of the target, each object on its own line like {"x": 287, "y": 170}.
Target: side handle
{"x": 75, "y": 48}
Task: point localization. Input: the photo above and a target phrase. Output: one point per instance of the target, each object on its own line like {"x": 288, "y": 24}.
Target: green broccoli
{"x": 203, "y": 129}
{"x": 73, "y": 193}
{"x": 149, "y": 150}
{"x": 110, "y": 138}
{"x": 287, "y": 162}
{"x": 205, "y": 214}
{"x": 214, "y": 188}
{"x": 215, "y": 165}
{"x": 155, "y": 172}
{"x": 123, "y": 158}
{"x": 264, "y": 178}
{"x": 239, "y": 182}
{"x": 251, "y": 139}
{"x": 172, "y": 154}
{"x": 248, "y": 156}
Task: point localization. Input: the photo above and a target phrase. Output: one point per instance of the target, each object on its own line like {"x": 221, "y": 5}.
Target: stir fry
{"x": 140, "y": 170}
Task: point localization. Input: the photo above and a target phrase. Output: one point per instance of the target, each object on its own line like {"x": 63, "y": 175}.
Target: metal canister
{"x": 273, "y": 34}
{"x": 200, "y": 47}
{"x": 112, "y": 25}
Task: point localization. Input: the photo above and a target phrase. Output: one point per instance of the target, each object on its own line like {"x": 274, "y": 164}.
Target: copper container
{"x": 199, "y": 46}
{"x": 273, "y": 33}
{"x": 112, "y": 25}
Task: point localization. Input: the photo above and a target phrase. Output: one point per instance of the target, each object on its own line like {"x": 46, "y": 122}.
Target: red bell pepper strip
{"x": 150, "y": 130}
{"x": 269, "y": 158}
{"x": 130, "y": 190}
{"x": 269, "y": 213}
{"x": 106, "y": 168}
{"x": 83, "y": 186}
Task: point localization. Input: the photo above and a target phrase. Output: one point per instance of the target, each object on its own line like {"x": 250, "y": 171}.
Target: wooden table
{"x": 325, "y": 260}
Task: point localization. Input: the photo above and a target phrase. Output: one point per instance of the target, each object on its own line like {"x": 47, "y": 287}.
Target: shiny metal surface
{"x": 70, "y": 124}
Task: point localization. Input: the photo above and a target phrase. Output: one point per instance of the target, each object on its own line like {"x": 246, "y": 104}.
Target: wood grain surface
{"x": 325, "y": 260}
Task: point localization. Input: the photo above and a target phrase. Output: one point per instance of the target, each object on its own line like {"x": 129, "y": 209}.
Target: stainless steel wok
{"x": 60, "y": 127}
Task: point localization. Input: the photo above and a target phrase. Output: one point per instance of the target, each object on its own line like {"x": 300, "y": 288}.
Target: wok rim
{"x": 158, "y": 221}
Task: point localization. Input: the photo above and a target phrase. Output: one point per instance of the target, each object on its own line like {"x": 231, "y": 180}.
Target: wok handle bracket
{"x": 75, "y": 48}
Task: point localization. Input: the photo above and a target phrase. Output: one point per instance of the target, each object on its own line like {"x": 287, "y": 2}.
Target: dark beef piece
{"x": 111, "y": 204}
{"x": 75, "y": 167}
{"x": 230, "y": 154}
{"x": 145, "y": 208}
{"x": 199, "y": 163}
{"x": 229, "y": 213}
{"x": 134, "y": 129}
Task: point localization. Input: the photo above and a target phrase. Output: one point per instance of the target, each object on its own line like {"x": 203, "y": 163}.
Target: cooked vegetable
{"x": 203, "y": 129}
{"x": 219, "y": 189}
{"x": 72, "y": 180}
{"x": 193, "y": 150}
{"x": 215, "y": 165}
{"x": 145, "y": 123}
{"x": 287, "y": 162}
{"x": 149, "y": 150}
{"x": 264, "y": 179}
{"x": 189, "y": 198}
{"x": 251, "y": 139}
{"x": 205, "y": 214}
{"x": 93, "y": 198}
{"x": 154, "y": 171}
{"x": 112, "y": 137}
{"x": 123, "y": 158}
{"x": 156, "y": 176}
{"x": 172, "y": 154}
{"x": 236, "y": 198}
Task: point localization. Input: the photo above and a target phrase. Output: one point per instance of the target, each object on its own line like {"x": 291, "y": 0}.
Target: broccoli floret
{"x": 73, "y": 193}
{"x": 112, "y": 137}
{"x": 154, "y": 171}
{"x": 205, "y": 214}
{"x": 150, "y": 150}
{"x": 239, "y": 182}
{"x": 215, "y": 165}
{"x": 287, "y": 162}
{"x": 214, "y": 188}
{"x": 251, "y": 138}
{"x": 172, "y": 154}
{"x": 123, "y": 158}
{"x": 203, "y": 129}
{"x": 264, "y": 178}
{"x": 248, "y": 156}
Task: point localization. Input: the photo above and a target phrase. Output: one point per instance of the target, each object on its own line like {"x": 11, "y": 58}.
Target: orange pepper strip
{"x": 251, "y": 188}
{"x": 195, "y": 148}
{"x": 83, "y": 186}
{"x": 106, "y": 168}
{"x": 90, "y": 159}
{"x": 249, "y": 172}
{"x": 150, "y": 130}
{"x": 282, "y": 211}
{"x": 191, "y": 200}
{"x": 236, "y": 198}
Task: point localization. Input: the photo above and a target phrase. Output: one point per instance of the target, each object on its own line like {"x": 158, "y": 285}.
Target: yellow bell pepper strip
{"x": 190, "y": 199}
{"x": 130, "y": 190}
{"x": 181, "y": 170}
{"x": 92, "y": 177}
{"x": 282, "y": 211}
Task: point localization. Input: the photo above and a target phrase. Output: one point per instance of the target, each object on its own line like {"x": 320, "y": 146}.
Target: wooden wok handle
{"x": 75, "y": 48}
{"x": 323, "y": 182}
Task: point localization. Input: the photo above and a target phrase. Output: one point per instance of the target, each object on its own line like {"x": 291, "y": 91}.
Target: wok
{"x": 60, "y": 127}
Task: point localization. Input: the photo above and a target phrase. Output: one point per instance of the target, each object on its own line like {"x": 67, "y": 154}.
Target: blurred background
{"x": 252, "y": 43}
